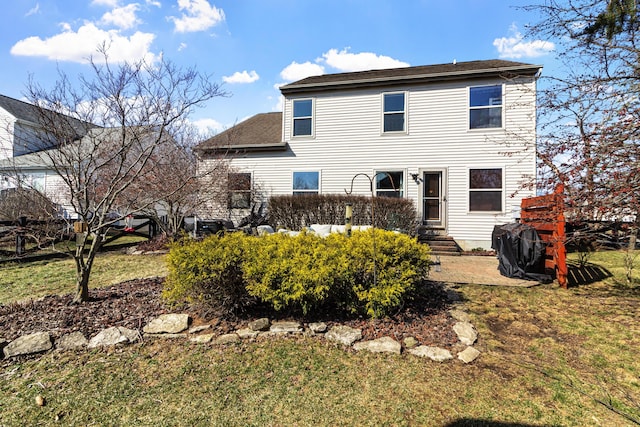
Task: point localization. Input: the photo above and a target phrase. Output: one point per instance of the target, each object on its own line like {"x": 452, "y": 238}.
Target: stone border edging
{"x": 176, "y": 325}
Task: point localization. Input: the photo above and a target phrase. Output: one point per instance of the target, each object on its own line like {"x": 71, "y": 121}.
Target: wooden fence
{"x": 546, "y": 215}
{"x": 17, "y": 230}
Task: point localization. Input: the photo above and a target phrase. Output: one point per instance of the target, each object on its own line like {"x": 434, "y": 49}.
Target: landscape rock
{"x": 200, "y": 328}
{"x": 466, "y": 332}
{"x": 285, "y": 327}
{"x": 73, "y": 341}
{"x": 28, "y": 344}
{"x": 113, "y": 336}
{"x": 410, "y": 342}
{"x": 318, "y": 327}
{"x": 380, "y": 345}
{"x": 468, "y": 355}
{"x": 247, "y": 333}
{"x": 202, "y": 339}
{"x": 227, "y": 339}
{"x": 436, "y": 354}
{"x": 167, "y": 323}
{"x": 261, "y": 324}
{"x": 168, "y": 336}
{"x": 459, "y": 315}
{"x": 344, "y": 335}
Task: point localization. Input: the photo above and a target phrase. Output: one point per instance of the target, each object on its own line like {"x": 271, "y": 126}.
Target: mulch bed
{"x": 134, "y": 303}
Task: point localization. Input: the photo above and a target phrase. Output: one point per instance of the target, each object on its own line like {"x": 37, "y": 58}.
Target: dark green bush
{"x": 297, "y": 212}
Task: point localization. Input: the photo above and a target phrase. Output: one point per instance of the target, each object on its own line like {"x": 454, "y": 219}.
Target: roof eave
{"x": 281, "y": 146}
{"x": 519, "y": 70}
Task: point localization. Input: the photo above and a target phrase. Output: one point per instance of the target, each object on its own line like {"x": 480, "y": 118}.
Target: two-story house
{"x": 458, "y": 139}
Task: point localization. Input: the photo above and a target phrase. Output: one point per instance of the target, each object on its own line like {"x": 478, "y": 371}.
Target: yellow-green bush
{"x": 208, "y": 273}
{"x": 401, "y": 263}
{"x": 298, "y": 273}
{"x": 302, "y": 273}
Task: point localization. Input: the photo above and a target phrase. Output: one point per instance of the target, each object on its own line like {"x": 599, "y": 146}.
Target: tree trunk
{"x": 84, "y": 263}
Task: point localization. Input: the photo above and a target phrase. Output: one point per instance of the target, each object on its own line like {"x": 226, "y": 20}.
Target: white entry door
{"x": 433, "y": 199}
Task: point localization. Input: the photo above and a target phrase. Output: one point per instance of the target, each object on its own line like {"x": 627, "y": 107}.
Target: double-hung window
{"x": 485, "y": 107}
{"x": 485, "y": 190}
{"x": 239, "y": 190}
{"x": 307, "y": 182}
{"x": 389, "y": 183}
{"x": 393, "y": 111}
{"x": 302, "y": 117}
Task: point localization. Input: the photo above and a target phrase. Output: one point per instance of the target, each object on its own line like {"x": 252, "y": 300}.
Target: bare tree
{"x": 172, "y": 187}
{"x": 590, "y": 112}
{"x": 109, "y": 132}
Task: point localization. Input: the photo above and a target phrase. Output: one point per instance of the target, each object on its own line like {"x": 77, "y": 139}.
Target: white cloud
{"x": 295, "y": 71}
{"x": 198, "y": 15}
{"x": 122, "y": 17}
{"x": 241, "y": 77}
{"x": 346, "y": 61}
{"x": 154, "y": 3}
{"x": 34, "y": 10}
{"x": 79, "y": 46}
{"x": 182, "y": 47}
{"x": 108, "y": 3}
{"x": 208, "y": 126}
{"x": 515, "y": 46}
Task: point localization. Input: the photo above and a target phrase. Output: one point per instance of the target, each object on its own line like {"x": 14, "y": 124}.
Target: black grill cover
{"x": 521, "y": 252}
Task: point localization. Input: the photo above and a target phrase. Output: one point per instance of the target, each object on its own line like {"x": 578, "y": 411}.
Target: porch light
{"x": 416, "y": 178}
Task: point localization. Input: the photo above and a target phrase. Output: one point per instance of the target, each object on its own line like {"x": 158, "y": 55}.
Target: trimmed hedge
{"x": 297, "y": 212}
{"x": 301, "y": 274}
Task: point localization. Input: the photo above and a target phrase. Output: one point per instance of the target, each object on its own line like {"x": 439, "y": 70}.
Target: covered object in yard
{"x": 521, "y": 252}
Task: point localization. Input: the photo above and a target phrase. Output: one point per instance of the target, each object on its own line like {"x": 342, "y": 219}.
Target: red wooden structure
{"x": 546, "y": 215}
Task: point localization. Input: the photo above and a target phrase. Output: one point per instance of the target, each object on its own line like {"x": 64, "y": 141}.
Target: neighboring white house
{"x": 458, "y": 139}
{"x": 20, "y": 143}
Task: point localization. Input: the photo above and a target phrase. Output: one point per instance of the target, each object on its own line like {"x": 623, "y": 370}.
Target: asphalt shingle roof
{"x": 262, "y": 131}
{"x": 423, "y": 73}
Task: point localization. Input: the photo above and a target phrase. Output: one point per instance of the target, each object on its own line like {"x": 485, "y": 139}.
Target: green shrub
{"x": 401, "y": 265}
{"x": 297, "y": 273}
{"x": 300, "y": 274}
{"x": 208, "y": 273}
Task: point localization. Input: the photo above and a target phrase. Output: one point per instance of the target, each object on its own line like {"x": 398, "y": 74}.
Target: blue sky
{"x": 253, "y": 46}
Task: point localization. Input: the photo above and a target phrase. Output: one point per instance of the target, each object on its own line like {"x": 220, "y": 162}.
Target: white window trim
{"x": 403, "y": 188}
{"x": 502, "y": 190}
{"x": 405, "y": 111}
{"x": 469, "y": 108}
{"x": 312, "y": 117}
{"x": 318, "y": 171}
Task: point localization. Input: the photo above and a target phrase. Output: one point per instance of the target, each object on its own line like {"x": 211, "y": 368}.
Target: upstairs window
{"x": 239, "y": 190}
{"x": 389, "y": 184}
{"x": 485, "y": 107}
{"x": 394, "y": 112}
{"x": 306, "y": 183}
{"x": 302, "y": 117}
{"x": 485, "y": 190}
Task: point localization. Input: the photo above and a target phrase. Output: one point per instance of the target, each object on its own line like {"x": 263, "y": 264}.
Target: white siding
{"x": 7, "y": 122}
{"x": 348, "y": 139}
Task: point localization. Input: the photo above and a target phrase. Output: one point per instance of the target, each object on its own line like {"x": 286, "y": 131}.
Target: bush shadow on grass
{"x": 585, "y": 274}
{"x": 473, "y": 422}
